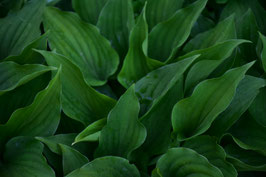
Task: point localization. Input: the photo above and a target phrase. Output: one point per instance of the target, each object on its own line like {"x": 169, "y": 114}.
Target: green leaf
{"x": 23, "y": 158}
{"x": 258, "y": 107}
{"x": 155, "y": 83}
{"x": 184, "y": 162}
{"x": 136, "y": 63}
{"x": 115, "y": 23}
{"x": 29, "y": 56}
{"x": 246, "y": 92}
{"x": 21, "y": 96}
{"x": 192, "y": 116}
{"x": 164, "y": 87}
{"x": 244, "y": 160}
{"x": 253, "y": 138}
{"x": 20, "y": 28}
{"x": 79, "y": 101}
{"x": 123, "y": 132}
{"x": 85, "y": 10}
{"x": 223, "y": 31}
{"x": 60, "y": 144}
{"x": 72, "y": 159}
{"x": 82, "y": 44}
{"x": 263, "y": 53}
{"x": 206, "y": 146}
{"x": 168, "y": 36}
{"x": 92, "y": 132}
{"x": 161, "y": 10}
{"x": 107, "y": 166}
{"x": 14, "y": 75}
{"x": 41, "y": 118}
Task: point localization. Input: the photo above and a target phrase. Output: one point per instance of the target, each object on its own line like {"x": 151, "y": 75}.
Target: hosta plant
{"x": 132, "y": 88}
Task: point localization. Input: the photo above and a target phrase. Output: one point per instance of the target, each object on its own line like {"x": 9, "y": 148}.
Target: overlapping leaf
{"x": 19, "y": 29}
{"x": 82, "y": 44}
{"x": 123, "y": 132}
{"x": 185, "y": 162}
{"x": 169, "y": 35}
{"x": 192, "y": 116}
{"x": 107, "y": 166}
{"x": 86, "y": 104}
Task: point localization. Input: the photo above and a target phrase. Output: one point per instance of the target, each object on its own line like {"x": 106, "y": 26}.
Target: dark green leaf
{"x": 168, "y": 36}
{"x": 107, "y": 166}
{"x": 20, "y": 28}
{"x": 184, "y": 162}
{"x": 82, "y": 44}
{"x": 192, "y": 116}
{"x": 79, "y": 101}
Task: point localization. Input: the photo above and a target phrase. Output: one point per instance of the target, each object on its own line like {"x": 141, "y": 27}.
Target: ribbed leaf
{"x": 23, "y": 158}
{"x": 168, "y": 36}
{"x": 19, "y": 29}
{"x": 123, "y": 132}
{"x": 115, "y": 23}
{"x": 92, "y": 132}
{"x": 164, "y": 87}
{"x": 79, "y": 101}
{"x": 82, "y": 44}
{"x": 136, "y": 63}
{"x": 107, "y": 166}
{"x": 89, "y": 10}
{"x": 223, "y": 31}
{"x": 184, "y": 162}
{"x": 41, "y": 118}
{"x": 161, "y": 10}
{"x": 192, "y": 116}
{"x": 246, "y": 92}
{"x": 206, "y": 146}
{"x": 14, "y": 75}
{"x": 28, "y": 55}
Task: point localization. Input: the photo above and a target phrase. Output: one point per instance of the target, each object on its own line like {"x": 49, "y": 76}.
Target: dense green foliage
{"x": 132, "y": 88}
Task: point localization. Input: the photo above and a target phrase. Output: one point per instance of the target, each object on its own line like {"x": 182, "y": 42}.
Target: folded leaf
{"x": 22, "y": 96}
{"x": 206, "y": 146}
{"x": 253, "y": 138}
{"x": 107, "y": 166}
{"x": 41, "y": 118}
{"x": 192, "y": 116}
{"x": 168, "y": 36}
{"x": 246, "y": 92}
{"x": 115, "y": 23}
{"x": 221, "y": 32}
{"x": 92, "y": 132}
{"x": 79, "y": 101}
{"x": 82, "y": 44}
{"x": 14, "y": 75}
{"x": 20, "y": 28}
{"x": 89, "y": 10}
{"x": 184, "y": 162}
{"x": 123, "y": 132}
{"x": 136, "y": 63}
{"x": 28, "y": 55}
{"x": 23, "y": 158}
{"x": 244, "y": 160}
{"x": 161, "y": 10}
